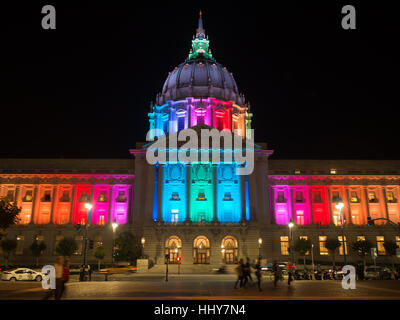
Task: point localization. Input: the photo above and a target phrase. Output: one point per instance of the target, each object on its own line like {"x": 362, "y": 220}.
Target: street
{"x": 191, "y": 287}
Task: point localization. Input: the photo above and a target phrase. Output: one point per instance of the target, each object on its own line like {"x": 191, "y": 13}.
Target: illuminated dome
{"x": 200, "y": 76}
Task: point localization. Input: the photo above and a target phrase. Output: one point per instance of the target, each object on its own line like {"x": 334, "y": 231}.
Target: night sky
{"x": 84, "y": 89}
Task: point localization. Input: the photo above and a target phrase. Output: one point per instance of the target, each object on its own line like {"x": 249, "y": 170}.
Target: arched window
{"x": 173, "y": 247}
{"x": 201, "y": 250}
{"x": 229, "y": 250}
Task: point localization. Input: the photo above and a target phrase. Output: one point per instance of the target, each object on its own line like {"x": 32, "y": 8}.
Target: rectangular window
{"x": 175, "y": 196}
{"x": 174, "y": 218}
{"x": 227, "y": 196}
{"x": 20, "y": 245}
{"x": 360, "y": 238}
{"x": 281, "y": 197}
{"x": 39, "y": 238}
{"x": 297, "y": 171}
{"x": 201, "y": 196}
{"x": 284, "y": 245}
{"x": 323, "y": 251}
{"x": 398, "y": 241}
{"x": 102, "y": 197}
{"x": 121, "y": 196}
{"x": 379, "y": 245}
{"x": 84, "y": 197}
{"x": 341, "y": 245}
{"x": 79, "y": 243}
{"x": 47, "y": 196}
{"x": 390, "y": 197}
{"x": 28, "y": 196}
{"x": 317, "y": 197}
{"x": 372, "y": 197}
{"x": 305, "y": 238}
{"x": 10, "y": 195}
{"x": 335, "y": 196}
{"x": 333, "y": 171}
{"x": 65, "y": 196}
{"x": 353, "y": 196}
{"x": 181, "y": 122}
{"x": 58, "y": 239}
{"x": 299, "y": 196}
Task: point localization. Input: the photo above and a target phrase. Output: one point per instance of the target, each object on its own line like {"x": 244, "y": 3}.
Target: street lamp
{"x": 114, "y": 227}
{"x": 259, "y": 247}
{"x": 291, "y": 225}
{"x": 142, "y": 241}
{"x": 88, "y": 207}
{"x": 339, "y": 205}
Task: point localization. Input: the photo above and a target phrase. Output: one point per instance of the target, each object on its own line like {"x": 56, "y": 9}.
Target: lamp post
{"x": 339, "y": 205}
{"x": 88, "y": 207}
{"x": 312, "y": 257}
{"x": 114, "y": 227}
{"x": 142, "y": 241}
{"x": 260, "y": 241}
{"x": 291, "y": 225}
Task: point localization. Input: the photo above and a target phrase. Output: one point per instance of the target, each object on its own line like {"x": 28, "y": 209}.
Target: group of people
{"x": 62, "y": 276}
{"x": 243, "y": 271}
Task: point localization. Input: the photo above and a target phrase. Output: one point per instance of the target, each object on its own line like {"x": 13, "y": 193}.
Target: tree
{"x": 37, "y": 249}
{"x": 66, "y": 247}
{"x": 128, "y": 247}
{"x": 332, "y": 245}
{"x": 302, "y": 246}
{"x": 390, "y": 247}
{"x": 9, "y": 214}
{"x": 8, "y": 246}
{"x": 362, "y": 248}
{"x": 100, "y": 253}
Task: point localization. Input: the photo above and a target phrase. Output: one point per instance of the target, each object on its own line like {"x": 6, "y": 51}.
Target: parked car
{"x": 119, "y": 270}
{"x": 377, "y": 273}
{"x": 22, "y": 274}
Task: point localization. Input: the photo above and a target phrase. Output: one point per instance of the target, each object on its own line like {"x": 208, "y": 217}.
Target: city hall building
{"x": 204, "y": 213}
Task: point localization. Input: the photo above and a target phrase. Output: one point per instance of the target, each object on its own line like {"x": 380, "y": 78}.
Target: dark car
{"x": 377, "y": 273}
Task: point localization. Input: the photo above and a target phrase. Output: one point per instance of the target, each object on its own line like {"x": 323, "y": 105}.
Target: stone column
{"x": 291, "y": 204}
{"x": 53, "y": 201}
{"x": 188, "y": 183}
{"x": 330, "y": 206}
{"x": 215, "y": 216}
{"x": 110, "y": 200}
{"x": 311, "y": 207}
{"x": 34, "y": 200}
{"x": 72, "y": 205}
{"x": 272, "y": 199}
{"x": 243, "y": 197}
{"x": 383, "y": 190}
{"x": 159, "y": 193}
{"x": 350, "y": 222}
{"x": 366, "y": 200}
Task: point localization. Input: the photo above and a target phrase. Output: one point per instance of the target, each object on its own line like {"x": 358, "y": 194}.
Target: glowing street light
{"x": 291, "y": 225}
{"x": 114, "y": 226}
{"x": 260, "y": 241}
{"x": 88, "y": 206}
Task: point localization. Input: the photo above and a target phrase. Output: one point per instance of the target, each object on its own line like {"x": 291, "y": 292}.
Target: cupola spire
{"x": 200, "y": 44}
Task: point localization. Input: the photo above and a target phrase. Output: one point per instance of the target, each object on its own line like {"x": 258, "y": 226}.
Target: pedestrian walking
{"x": 65, "y": 278}
{"x": 58, "y": 266}
{"x": 289, "y": 272}
{"x": 81, "y": 273}
{"x": 275, "y": 271}
{"x": 257, "y": 266}
{"x": 239, "y": 273}
{"x": 90, "y": 272}
{"x": 247, "y": 272}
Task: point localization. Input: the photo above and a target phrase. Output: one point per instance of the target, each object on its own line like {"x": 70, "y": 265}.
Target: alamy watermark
{"x": 241, "y": 152}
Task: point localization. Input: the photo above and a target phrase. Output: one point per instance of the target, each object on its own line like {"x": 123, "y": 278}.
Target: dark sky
{"x": 83, "y": 90}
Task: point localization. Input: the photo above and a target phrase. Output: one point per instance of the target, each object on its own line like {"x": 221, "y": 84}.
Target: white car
{"x": 22, "y": 274}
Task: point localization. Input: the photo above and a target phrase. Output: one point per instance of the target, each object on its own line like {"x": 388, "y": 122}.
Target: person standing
{"x": 65, "y": 278}
{"x": 275, "y": 271}
{"x": 81, "y": 273}
{"x": 257, "y": 266}
{"x": 289, "y": 272}
{"x": 90, "y": 272}
{"x": 58, "y": 266}
{"x": 239, "y": 273}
